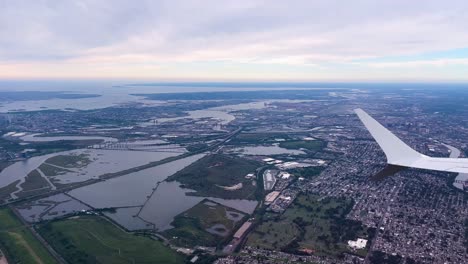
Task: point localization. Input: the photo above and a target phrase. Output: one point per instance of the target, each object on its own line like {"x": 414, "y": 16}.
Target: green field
{"x": 70, "y": 161}
{"x": 92, "y": 239}
{"x": 254, "y": 138}
{"x": 311, "y": 145}
{"x": 18, "y": 243}
{"x": 205, "y": 224}
{"x": 5, "y": 191}
{"x": 310, "y": 223}
{"x": 4, "y": 164}
{"x": 207, "y": 175}
{"x": 43, "y": 148}
{"x": 33, "y": 184}
{"x": 306, "y": 172}
{"x": 49, "y": 170}
{"x": 62, "y": 145}
{"x": 273, "y": 235}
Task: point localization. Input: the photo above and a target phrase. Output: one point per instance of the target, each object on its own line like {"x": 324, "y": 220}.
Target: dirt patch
{"x": 3, "y": 260}
{"x": 21, "y": 241}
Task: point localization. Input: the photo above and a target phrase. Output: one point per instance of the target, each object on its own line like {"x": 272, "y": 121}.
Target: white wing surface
{"x": 400, "y": 154}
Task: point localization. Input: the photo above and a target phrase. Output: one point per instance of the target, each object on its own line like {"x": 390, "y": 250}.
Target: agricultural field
{"x": 206, "y": 224}
{"x": 310, "y": 223}
{"x": 220, "y": 176}
{"x": 18, "y": 243}
{"x": 92, "y": 239}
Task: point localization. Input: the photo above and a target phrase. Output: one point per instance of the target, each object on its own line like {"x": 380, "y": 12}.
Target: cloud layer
{"x": 249, "y": 39}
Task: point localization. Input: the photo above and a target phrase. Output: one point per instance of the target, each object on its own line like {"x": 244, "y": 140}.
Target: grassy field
{"x": 311, "y": 145}
{"x": 244, "y": 138}
{"x": 92, "y": 239}
{"x": 192, "y": 227}
{"x": 20, "y": 245}
{"x": 273, "y": 235}
{"x": 209, "y": 173}
{"x": 43, "y": 148}
{"x": 306, "y": 172}
{"x": 4, "y": 164}
{"x": 34, "y": 183}
{"x": 5, "y": 191}
{"x": 57, "y": 146}
{"x": 310, "y": 223}
{"x": 70, "y": 161}
{"x": 188, "y": 232}
{"x": 49, "y": 170}
{"x": 211, "y": 213}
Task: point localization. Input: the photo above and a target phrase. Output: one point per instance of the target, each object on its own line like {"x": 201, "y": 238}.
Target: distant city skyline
{"x": 417, "y": 41}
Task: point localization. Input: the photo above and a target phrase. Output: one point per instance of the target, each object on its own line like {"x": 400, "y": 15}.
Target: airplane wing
{"x": 400, "y": 154}
{"x": 442, "y": 164}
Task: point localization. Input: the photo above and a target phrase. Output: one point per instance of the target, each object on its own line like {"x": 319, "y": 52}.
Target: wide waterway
{"x": 222, "y": 113}
{"x": 461, "y": 177}
{"x": 111, "y": 94}
{"x": 101, "y": 162}
{"x": 158, "y": 201}
{"x": 170, "y": 199}
{"x": 37, "y": 138}
{"x": 19, "y": 170}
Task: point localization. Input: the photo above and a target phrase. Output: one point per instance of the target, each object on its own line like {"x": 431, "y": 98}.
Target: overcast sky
{"x": 397, "y": 40}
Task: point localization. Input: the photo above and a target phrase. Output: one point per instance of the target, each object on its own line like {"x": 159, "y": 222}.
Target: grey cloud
{"x": 38, "y": 29}
{"x": 56, "y": 30}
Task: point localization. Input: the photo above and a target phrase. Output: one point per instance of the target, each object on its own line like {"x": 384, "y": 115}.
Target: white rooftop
{"x": 358, "y": 244}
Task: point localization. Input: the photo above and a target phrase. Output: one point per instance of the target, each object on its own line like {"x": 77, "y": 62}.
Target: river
{"x": 37, "y": 138}
{"x": 461, "y": 177}
{"x": 102, "y": 161}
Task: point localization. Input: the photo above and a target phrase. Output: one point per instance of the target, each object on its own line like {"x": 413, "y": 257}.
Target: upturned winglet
{"x": 400, "y": 155}
{"x": 393, "y": 147}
